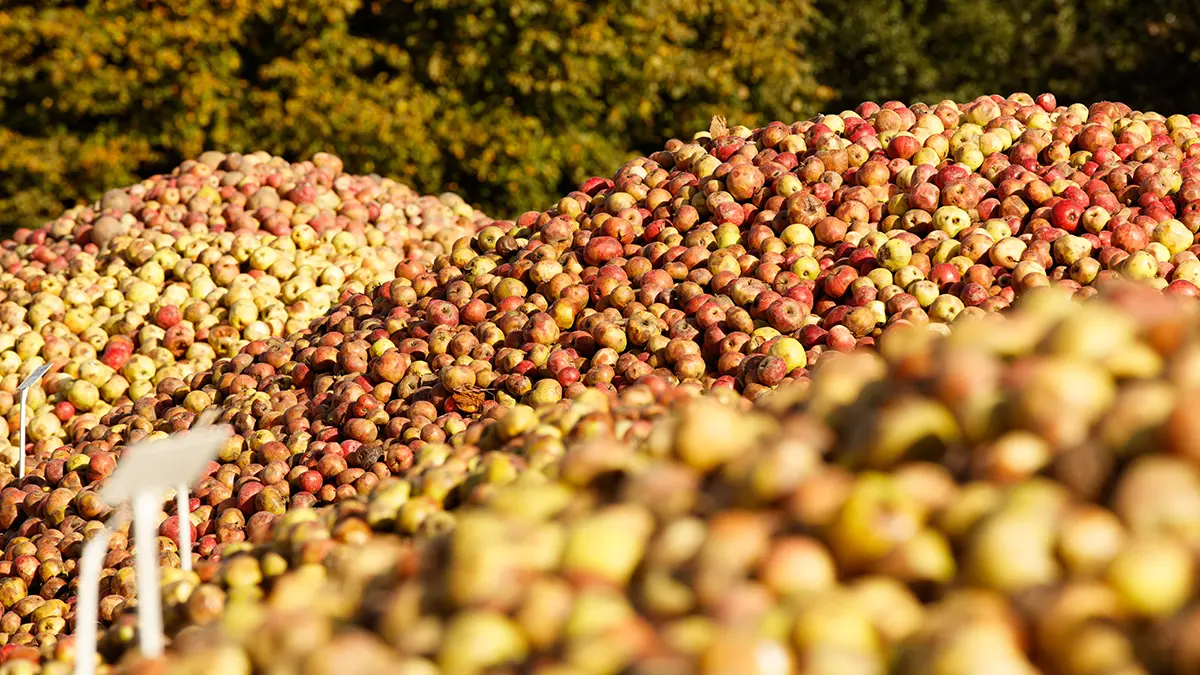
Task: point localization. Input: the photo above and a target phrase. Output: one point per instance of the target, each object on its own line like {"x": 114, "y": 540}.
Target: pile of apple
{"x": 384, "y": 360}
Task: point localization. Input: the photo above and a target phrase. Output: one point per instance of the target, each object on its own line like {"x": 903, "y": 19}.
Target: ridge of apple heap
{"x": 834, "y": 228}
{"x": 157, "y": 280}
{"x": 735, "y": 261}
{"x": 711, "y": 264}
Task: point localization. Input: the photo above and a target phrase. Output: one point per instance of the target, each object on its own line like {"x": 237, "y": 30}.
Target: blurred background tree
{"x": 513, "y": 103}
{"x": 1141, "y": 52}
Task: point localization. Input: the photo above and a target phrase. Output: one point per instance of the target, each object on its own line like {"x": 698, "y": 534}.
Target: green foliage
{"x": 510, "y": 103}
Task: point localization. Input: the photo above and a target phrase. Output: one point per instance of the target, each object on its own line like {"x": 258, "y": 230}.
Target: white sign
{"x": 23, "y": 389}
{"x": 147, "y": 469}
{"x": 159, "y": 464}
{"x": 34, "y": 377}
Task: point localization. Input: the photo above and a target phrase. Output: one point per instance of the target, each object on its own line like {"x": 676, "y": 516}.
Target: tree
{"x": 510, "y": 103}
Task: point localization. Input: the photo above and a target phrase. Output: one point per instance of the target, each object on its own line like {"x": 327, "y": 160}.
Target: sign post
{"x": 23, "y": 390}
{"x": 145, "y": 560}
{"x": 183, "y": 507}
{"x": 183, "y": 512}
{"x": 87, "y": 603}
